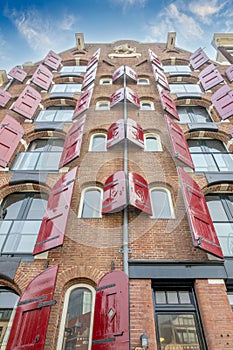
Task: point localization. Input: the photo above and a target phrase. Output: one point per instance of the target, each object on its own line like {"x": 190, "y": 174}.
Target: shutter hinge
{"x": 47, "y": 303}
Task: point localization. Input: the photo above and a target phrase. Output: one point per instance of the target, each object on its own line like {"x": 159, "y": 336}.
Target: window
{"x": 177, "y": 319}
{"x": 143, "y": 81}
{"x": 221, "y": 212}
{"x": 152, "y": 143}
{"x": 77, "y": 318}
{"x": 161, "y": 203}
{"x": 178, "y": 69}
{"x": 60, "y": 88}
{"x": 210, "y": 155}
{"x": 103, "y": 105}
{"x": 21, "y": 215}
{"x": 8, "y": 300}
{"x": 106, "y": 81}
{"x": 193, "y": 114}
{"x": 230, "y": 297}
{"x": 42, "y": 154}
{"x": 185, "y": 88}
{"x": 61, "y": 114}
{"x": 91, "y": 203}
{"x": 73, "y": 69}
{"x": 146, "y": 105}
{"x": 98, "y": 143}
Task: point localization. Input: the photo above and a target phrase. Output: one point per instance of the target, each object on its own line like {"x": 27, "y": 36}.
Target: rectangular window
{"x": 49, "y": 115}
{"x": 73, "y": 69}
{"x": 185, "y": 88}
{"x": 59, "y": 88}
{"x": 193, "y": 114}
{"x": 173, "y": 69}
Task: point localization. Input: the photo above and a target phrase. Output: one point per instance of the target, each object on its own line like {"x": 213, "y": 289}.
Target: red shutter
{"x": 53, "y": 226}
{"x": 139, "y": 195}
{"x": 73, "y": 142}
{"x": 160, "y": 77}
{"x": 201, "y": 225}
{"x": 232, "y": 132}
{"x": 11, "y": 133}
{"x": 18, "y": 74}
{"x": 210, "y": 77}
{"x": 198, "y": 58}
{"x": 179, "y": 143}
{"x": 223, "y": 101}
{"x": 32, "y": 314}
{"x": 229, "y": 73}
{"x": 116, "y": 133}
{"x": 89, "y": 77}
{"x": 168, "y": 103}
{"x": 154, "y": 59}
{"x": 42, "y": 77}
{"x": 93, "y": 59}
{"x": 27, "y": 102}
{"x": 128, "y": 71}
{"x": 52, "y": 60}
{"x": 118, "y": 73}
{"x": 135, "y": 133}
{"x": 4, "y": 97}
{"x": 83, "y": 103}
{"x": 114, "y": 198}
{"x": 116, "y": 97}
{"x": 111, "y": 318}
{"x": 132, "y": 97}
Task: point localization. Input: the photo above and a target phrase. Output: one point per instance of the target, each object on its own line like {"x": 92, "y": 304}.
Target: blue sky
{"x": 30, "y": 28}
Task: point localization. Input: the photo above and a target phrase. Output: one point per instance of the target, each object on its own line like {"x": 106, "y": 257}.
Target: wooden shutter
{"x": 94, "y": 59}
{"x": 179, "y": 143}
{"x": 198, "y": 58}
{"x": 4, "y": 97}
{"x": 201, "y": 225}
{"x": 127, "y": 70}
{"x": 32, "y": 314}
{"x": 111, "y": 318}
{"x": 114, "y": 197}
{"x": 139, "y": 195}
{"x": 155, "y": 60}
{"x": 132, "y": 97}
{"x": 18, "y": 74}
{"x": 42, "y": 77}
{"x": 135, "y": 133}
{"x": 160, "y": 77}
{"x": 210, "y": 77}
{"x": 223, "y": 101}
{"x": 229, "y": 73}
{"x": 27, "y": 102}
{"x": 73, "y": 142}
{"x": 52, "y": 60}
{"x": 53, "y": 226}
{"x": 118, "y": 73}
{"x": 11, "y": 133}
{"x": 168, "y": 103}
{"x": 117, "y": 97}
{"x": 83, "y": 103}
{"x": 89, "y": 77}
{"x": 116, "y": 133}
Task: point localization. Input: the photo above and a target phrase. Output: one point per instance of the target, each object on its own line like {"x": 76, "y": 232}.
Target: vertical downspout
{"x": 125, "y": 217}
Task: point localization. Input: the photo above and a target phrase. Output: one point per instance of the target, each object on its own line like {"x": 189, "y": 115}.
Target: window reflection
{"x": 8, "y": 300}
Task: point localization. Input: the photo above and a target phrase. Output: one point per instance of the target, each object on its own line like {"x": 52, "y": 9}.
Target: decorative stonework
{"x": 124, "y": 50}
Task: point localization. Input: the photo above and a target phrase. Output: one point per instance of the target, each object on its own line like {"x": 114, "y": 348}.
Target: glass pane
{"x": 73, "y": 88}
{"x": 230, "y": 297}
{"x": 160, "y": 204}
{"x": 192, "y": 88}
{"x": 48, "y": 161}
{"x": 64, "y": 116}
{"x": 92, "y": 204}
{"x": 183, "y": 114}
{"x": 224, "y": 161}
{"x": 12, "y": 205}
{"x": 183, "y": 68}
{"x": 199, "y": 114}
{"x": 25, "y": 161}
{"x": 204, "y": 162}
{"x": 46, "y": 116}
{"x": 172, "y": 297}
{"x": 37, "y": 208}
{"x": 146, "y": 106}
{"x": 195, "y": 146}
{"x": 225, "y": 235}
{"x": 176, "y": 88}
{"x": 7, "y": 299}
{"x": 78, "y": 320}
{"x": 178, "y": 329}
{"x": 38, "y": 145}
{"x": 75, "y": 69}
{"x": 216, "y": 208}
{"x": 99, "y": 143}
{"x": 214, "y": 146}
{"x": 151, "y": 144}
{"x": 184, "y": 297}
{"x": 58, "y": 88}
{"x": 160, "y": 297}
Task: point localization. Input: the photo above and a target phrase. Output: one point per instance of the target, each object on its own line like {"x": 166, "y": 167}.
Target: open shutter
{"x": 52, "y": 60}
{"x": 223, "y": 101}
{"x": 114, "y": 197}
{"x": 231, "y": 132}
{"x": 201, "y": 225}
{"x": 128, "y": 71}
{"x": 139, "y": 195}
{"x": 168, "y": 103}
{"x": 111, "y": 318}
{"x": 83, "y": 103}
{"x": 32, "y": 314}
{"x": 53, "y": 226}
{"x": 116, "y": 133}
{"x": 135, "y": 133}
{"x": 179, "y": 143}
{"x": 154, "y": 59}
{"x": 73, "y": 142}
{"x": 27, "y": 102}
{"x": 210, "y": 77}
{"x": 198, "y": 58}
{"x": 4, "y": 97}
{"x": 42, "y": 77}
{"x": 118, "y": 73}
{"x": 229, "y": 73}
{"x": 132, "y": 97}
{"x": 160, "y": 77}
{"x": 117, "y": 97}
{"x": 18, "y": 74}
{"x": 11, "y": 133}
{"x": 94, "y": 59}
{"x": 89, "y": 77}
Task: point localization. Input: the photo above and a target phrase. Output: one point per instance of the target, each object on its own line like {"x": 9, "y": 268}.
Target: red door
{"x": 111, "y": 318}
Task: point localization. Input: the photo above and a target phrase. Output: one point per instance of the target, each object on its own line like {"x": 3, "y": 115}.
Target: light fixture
{"x": 144, "y": 341}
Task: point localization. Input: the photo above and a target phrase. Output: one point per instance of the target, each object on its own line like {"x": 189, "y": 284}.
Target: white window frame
{"x": 106, "y": 81}
{"x": 154, "y": 188}
{"x": 152, "y": 107}
{"x": 64, "y": 312}
{"x": 141, "y": 79}
{"x": 98, "y": 105}
{"x": 82, "y": 201}
{"x": 73, "y": 69}
{"x": 92, "y": 139}
{"x": 155, "y": 136}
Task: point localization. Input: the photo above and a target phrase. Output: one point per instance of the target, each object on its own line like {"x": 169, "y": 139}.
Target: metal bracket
{"x": 121, "y": 250}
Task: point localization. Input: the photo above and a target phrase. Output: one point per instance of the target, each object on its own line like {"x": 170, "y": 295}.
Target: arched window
{"x": 146, "y": 105}
{"x": 161, "y": 203}
{"x": 91, "y": 203}
{"x": 143, "y": 81}
{"x": 152, "y": 143}
{"x": 106, "y": 81}
{"x": 103, "y": 105}
{"x": 98, "y": 143}
{"x": 8, "y": 300}
{"x": 77, "y": 318}
{"x": 20, "y": 219}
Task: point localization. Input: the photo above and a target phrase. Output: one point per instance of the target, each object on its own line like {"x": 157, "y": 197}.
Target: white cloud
{"x": 206, "y": 9}
{"x": 129, "y": 3}
{"x": 67, "y": 22}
